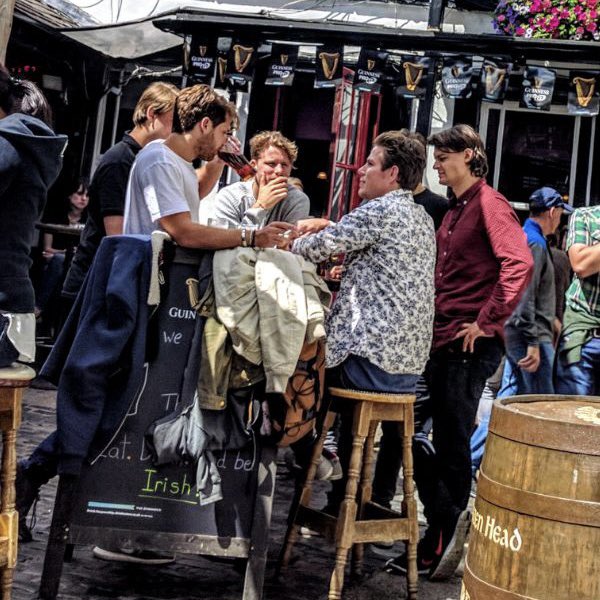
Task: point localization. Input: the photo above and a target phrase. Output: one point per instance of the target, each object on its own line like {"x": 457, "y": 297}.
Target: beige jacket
{"x": 270, "y": 301}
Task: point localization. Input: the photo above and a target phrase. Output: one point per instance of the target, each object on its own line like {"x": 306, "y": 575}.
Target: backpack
{"x": 292, "y": 415}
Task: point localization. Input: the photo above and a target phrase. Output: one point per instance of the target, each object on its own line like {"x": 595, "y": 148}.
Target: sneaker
{"x": 399, "y": 565}
{"x": 451, "y": 547}
{"x": 336, "y": 472}
{"x": 324, "y": 469}
{"x": 139, "y": 557}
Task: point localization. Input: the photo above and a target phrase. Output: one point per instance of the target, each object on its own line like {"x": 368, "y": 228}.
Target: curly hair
{"x": 459, "y": 138}
{"x": 262, "y": 140}
{"x": 199, "y": 101}
{"x": 407, "y": 152}
{"x": 159, "y": 96}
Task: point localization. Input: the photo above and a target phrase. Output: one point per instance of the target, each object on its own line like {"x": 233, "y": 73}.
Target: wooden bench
{"x": 360, "y": 520}
{"x": 12, "y": 382}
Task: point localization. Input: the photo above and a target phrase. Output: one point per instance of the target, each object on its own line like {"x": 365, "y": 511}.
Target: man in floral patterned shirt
{"x": 380, "y": 326}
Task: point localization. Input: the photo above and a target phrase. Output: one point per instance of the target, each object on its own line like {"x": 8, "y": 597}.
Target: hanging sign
{"x": 537, "y": 88}
{"x": 199, "y": 59}
{"x": 329, "y": 66}
{"x": 583, "y": 93}
{"x": 494, "y": 80}
{"x": 240, "y": 62}
{"x": 221, "y": 73}
{"x": 413, "y": 75}
{"x": 457, "y": 73}
{"x": 369, "y": 70}
{"x": 283, "y": 65}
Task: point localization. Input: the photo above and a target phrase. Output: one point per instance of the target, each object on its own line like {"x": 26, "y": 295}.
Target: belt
{"x": 596, "y": 332}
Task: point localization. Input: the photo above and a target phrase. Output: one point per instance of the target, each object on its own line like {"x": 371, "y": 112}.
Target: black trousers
{"x": 455, "y": 380}
{"x": 389, "y": 457}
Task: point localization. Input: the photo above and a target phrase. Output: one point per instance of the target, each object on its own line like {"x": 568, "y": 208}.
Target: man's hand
{"x": 470, "y": 332}
{"x": 556, "y": 329}
{"x": 275, "y": 235}
{"x": 308, "y": 226}
{"x": 531, "y": 361}
{"x": 272, "y": 193}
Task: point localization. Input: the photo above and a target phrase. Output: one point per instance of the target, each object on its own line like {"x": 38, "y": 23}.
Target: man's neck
{"x": 178, "y": 143}
{"x": 464, "y": 184}
{"x": 542, "y": 224}
{"x": 141, "y": 135}
{"x": 420, "y": 188}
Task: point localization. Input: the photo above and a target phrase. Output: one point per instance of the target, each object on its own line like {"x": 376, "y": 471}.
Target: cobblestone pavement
{"x": 194, "y": 576}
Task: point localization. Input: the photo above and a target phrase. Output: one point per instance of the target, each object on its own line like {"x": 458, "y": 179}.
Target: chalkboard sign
{"x": 123, "y": 499}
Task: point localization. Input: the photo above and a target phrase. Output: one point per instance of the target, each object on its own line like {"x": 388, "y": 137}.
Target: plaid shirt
{"x": 583, "y": 295}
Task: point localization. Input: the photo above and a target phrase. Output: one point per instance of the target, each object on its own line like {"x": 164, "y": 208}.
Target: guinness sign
{"x": 537, "y": 88}
{"x": 457, "y": 74}
{"x": 282, "y": 65}
{"x": 493, "y": 81}
{"x": 369, "y": 70}
{"x": 240, "y": 62}
{"x": 329, "y": 66}
{"x": 583, "y": 93}
{"x": 413, "y": 72}
{"x": 201, "y": 59}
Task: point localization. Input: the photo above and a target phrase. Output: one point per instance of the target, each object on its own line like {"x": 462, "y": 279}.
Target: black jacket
{"x": 30, "y": 160}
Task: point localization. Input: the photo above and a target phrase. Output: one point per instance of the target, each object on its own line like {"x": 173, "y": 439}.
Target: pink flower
{"x": 519, "y": 31}
{"x": 591, "y": 27}
{"x": 579, "y": 30}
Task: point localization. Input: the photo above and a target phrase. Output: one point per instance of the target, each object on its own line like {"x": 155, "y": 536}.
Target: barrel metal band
{"x": 545, "y": 433}
{"x": 478, "y": 589}
{"x": 576, "y": 512}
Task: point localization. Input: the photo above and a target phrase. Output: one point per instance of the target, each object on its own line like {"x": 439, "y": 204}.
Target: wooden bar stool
{"x": 359, "y": 520}
{"x": 12, "y": 382}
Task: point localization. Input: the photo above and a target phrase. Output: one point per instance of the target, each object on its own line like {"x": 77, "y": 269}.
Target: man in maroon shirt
{"x": 483, "y": 267}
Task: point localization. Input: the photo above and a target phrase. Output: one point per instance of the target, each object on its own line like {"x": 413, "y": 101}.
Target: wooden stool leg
{"x": 293, "y": 528}
{"x": 347, "y": 515}
{"x": 410, "y": 503}
{"x": 364, "y": 494}
{"x": 11, "y": 419}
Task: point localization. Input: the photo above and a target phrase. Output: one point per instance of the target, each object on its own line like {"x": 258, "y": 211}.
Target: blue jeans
{"x": 581, "y": 378}
{"x": 516, "y": 381}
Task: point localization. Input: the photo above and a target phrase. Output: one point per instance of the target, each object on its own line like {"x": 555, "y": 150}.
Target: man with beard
{"x": 163, "y": 187}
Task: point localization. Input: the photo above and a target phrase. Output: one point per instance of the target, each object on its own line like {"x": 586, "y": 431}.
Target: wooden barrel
{"x": 535, "y": 532}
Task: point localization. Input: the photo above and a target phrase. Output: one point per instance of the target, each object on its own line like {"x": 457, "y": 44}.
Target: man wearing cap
{"x": 528, "y": 332}
{"x": 578, "y": 361}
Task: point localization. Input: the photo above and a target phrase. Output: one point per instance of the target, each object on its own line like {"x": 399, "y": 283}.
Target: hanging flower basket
{"x": 552, "y": 19}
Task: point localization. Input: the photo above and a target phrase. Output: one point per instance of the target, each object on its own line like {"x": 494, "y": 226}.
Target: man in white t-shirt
{"x": 162, "y": 192}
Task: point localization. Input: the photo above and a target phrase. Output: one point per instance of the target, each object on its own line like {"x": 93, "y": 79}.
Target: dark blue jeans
{"x": 456, "y": 380}
{"x": 581, "y": 378}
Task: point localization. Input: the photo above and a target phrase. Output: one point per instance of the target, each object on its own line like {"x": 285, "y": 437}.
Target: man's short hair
{"x": 197, "y": 102}
{"x": 159, "y": 96}
{"x": 407, "y": 153}
{"x": 261, "y": 141}
{"x": 459, "y": 138}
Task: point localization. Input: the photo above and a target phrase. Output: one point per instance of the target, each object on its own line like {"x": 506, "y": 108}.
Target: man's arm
{"x": 113, "y": 225}
{"x": 585, "y": 260}
{"x": 356, "y": 230}
{"x": 509, "y": 245}
{"x": 208, "y": 175}
{"x": 583, "y": 245}
{"x": 189, "y": 234}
